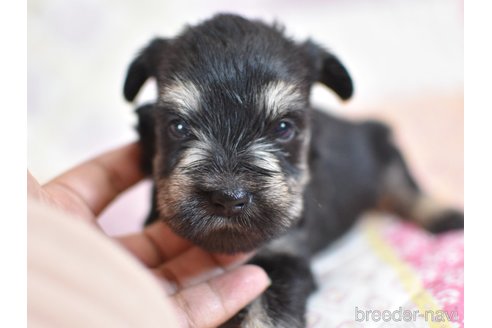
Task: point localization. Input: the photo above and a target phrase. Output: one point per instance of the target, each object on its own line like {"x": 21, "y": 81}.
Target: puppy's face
{"x": 231, "y": 166}
{"x": 231, "y": 129}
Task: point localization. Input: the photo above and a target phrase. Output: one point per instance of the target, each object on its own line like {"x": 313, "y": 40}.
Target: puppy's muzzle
{"x": 229, "y": 202}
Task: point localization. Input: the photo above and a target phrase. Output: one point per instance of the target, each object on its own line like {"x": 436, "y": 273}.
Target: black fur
{"x": 214, "y": 128}
{"x": 145, "y": 129}
{"x": 448, "y": 220}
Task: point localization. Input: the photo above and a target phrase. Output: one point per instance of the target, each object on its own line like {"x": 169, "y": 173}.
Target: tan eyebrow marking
{"x": 280, "y": 96}
{"x": 184, "y": 94}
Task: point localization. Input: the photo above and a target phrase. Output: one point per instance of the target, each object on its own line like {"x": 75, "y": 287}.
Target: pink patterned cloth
{"x": 437, "y": 260}
{"x": 385, "y": 266}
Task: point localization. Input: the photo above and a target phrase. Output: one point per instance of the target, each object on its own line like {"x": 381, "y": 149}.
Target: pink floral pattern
{"x": 437, "y": 260}
{"x": 386, "y": 264}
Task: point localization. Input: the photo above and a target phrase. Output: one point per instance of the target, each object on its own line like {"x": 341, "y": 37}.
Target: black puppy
{"x": 240, "y": 161}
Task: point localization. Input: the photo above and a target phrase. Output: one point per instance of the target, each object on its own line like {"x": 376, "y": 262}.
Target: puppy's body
{"x": 241, "y": 161}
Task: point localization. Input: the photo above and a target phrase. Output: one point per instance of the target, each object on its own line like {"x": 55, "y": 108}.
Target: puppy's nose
{"x": 229, "y": 202}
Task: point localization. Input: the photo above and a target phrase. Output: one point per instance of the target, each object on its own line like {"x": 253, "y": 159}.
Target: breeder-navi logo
{"x": 405, "y": 315}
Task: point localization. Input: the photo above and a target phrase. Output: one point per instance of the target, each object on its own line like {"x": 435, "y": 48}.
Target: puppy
{"x": 240, "y": 161}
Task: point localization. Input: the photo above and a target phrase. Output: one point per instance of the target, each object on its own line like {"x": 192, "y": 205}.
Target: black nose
{"x": 229, "y": 202}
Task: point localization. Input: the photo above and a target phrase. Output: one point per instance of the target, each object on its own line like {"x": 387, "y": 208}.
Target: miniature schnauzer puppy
{"x": 241, "y": 161}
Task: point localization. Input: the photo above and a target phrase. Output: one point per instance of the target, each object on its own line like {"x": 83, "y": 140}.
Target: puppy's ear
{"x": 328, "y": 70}
{"x": 143, "y": 67}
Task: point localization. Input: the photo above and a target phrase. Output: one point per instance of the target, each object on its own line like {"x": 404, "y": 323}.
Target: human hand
{"x": 206, "y": 289}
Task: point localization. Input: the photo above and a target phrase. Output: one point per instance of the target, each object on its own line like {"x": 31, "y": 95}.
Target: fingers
{"x": 95, "y": 183}
{"x": 194, "y": 266}
{"x": 211, "y": 303}
{"x": 156, "y": 244}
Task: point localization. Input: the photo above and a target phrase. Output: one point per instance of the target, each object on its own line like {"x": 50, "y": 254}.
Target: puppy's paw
{"x": 446, "y": 221}
{"x": 235, "y": 321}
{"x": 256, "y": 315}
{"x": 253, "y": 316}
{"x": 283, "y": 304}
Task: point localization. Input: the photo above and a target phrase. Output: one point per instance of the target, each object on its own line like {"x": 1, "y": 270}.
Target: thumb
{"x": 213, "y": 302}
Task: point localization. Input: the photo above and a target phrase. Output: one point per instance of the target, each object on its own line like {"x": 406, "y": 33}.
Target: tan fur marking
{"x": 263, "y": 157}
{"x": 256, "y": 317}
{"x": 425, "y": 209}
{"x": 400, "y": 197}
{"x": 184, "y": 94}
{"x": 279, "y": 97}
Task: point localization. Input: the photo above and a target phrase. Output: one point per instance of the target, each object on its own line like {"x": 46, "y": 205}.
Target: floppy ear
{"x": 143, "y": 67}
{"x": 328, "y": 70}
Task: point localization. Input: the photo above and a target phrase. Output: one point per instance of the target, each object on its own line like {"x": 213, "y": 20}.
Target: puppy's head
{"x": 231, "y": 128}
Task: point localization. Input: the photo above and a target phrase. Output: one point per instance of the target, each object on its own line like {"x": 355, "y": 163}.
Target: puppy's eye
{"x": 178, "y": 129}
{"x": 285, "y": 130}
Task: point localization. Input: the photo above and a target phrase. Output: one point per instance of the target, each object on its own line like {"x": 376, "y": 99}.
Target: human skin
{"x": 199, "y": 289}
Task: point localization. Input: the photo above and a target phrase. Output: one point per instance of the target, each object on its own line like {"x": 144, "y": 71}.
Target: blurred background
{"x": 406, "y": 58}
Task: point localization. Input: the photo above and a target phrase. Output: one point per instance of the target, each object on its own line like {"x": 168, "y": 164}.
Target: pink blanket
{"x": 387, "y": 273}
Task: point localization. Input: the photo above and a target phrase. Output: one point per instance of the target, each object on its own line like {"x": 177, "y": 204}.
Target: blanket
{"x": 389, "y": 273}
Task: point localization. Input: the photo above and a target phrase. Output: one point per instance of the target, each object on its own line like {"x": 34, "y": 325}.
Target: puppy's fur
{"x": 240, "y": 160}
